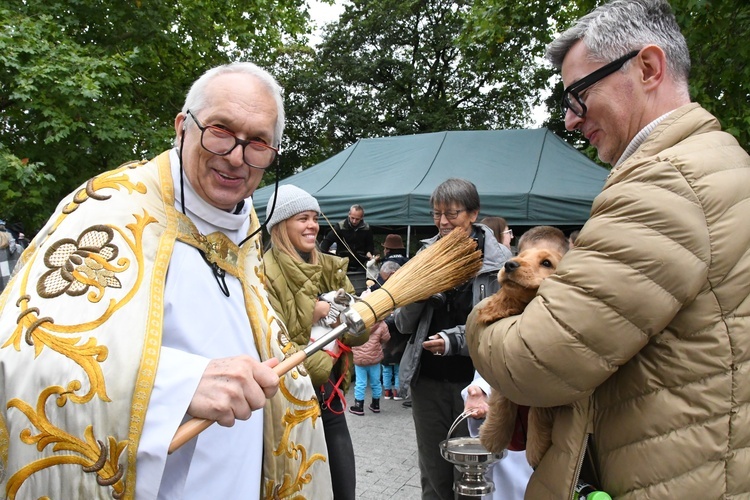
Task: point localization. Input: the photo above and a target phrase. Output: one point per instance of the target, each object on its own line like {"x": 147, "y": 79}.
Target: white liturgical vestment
{"x": 105, "y": 332}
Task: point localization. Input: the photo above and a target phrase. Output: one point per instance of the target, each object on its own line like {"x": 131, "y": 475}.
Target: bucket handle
{"x": 463, "y": 416}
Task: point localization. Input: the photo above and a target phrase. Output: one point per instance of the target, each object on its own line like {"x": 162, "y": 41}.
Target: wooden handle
{"x": 290, "y": 362}
{"x": 195, "y": 426}
{"x": 188, "y": 431}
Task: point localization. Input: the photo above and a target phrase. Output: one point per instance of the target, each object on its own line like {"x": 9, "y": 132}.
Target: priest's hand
{"x": 476, "y": 401}
{"x": 231, "y": 388}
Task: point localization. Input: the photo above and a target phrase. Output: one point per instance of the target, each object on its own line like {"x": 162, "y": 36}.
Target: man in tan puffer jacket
{"x": 641, "y": 340}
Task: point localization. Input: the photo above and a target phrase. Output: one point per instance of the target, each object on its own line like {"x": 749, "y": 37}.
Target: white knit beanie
{"x": 292, "y": 200}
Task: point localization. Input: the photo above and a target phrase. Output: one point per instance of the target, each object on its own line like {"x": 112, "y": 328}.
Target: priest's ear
{"x": 180, "y": 124}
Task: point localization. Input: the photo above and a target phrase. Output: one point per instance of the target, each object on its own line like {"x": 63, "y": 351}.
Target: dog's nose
{"x": 511, "y": 265}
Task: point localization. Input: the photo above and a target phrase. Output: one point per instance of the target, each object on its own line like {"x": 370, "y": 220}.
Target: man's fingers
{"x": 231, "y": 388}
{"x": 271, "y": 362}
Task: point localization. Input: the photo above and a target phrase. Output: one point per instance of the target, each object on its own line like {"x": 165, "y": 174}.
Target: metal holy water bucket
{"x": 471, "y": 459}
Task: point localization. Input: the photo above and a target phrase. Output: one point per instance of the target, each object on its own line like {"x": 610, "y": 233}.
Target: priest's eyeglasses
{"x": 572, "y": 95}
{"x": 450, "y": 214}
{"x": 221, "y": 142}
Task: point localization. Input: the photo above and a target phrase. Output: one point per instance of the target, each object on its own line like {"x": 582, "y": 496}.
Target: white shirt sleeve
{"x": 177, "y": 378}
{"x": 475, "y": 423}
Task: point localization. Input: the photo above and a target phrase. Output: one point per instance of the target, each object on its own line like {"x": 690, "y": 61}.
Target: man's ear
{"x": 652, "y": 62}
{"x": 180, "y": 123}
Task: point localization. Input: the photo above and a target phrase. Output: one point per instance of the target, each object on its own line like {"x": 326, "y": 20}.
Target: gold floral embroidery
{"x": 302, "y": 411}
{"x": 75, "y": 266}
{"x": 217, "y": 248}
{"x": 114, "y": 179}
{"x": 4, "y": 441}
{"x": 94, "y": 456}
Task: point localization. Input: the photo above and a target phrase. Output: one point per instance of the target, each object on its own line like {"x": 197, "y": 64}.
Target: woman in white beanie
{"x": 297, "y": 273}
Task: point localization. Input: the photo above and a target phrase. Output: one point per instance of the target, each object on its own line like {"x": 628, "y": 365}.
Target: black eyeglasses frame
{"x": 449, "y": 214}
{"x": 587, "y": 81}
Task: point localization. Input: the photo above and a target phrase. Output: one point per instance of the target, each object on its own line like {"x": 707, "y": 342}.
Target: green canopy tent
{"x": 529, "y": 177}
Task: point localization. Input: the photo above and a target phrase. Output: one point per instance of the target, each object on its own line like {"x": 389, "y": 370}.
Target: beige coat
{"x": 643, "y": 334}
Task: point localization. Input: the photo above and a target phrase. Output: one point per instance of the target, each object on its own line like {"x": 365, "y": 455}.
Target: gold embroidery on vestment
{"x": 75, "y": 267}
{"x": 91, "y": 454}
{"x": 114, "y": 179}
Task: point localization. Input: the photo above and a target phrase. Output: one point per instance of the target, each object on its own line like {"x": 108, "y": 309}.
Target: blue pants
{"x": 389, "y": 372}
{"x": 365, "y": 374}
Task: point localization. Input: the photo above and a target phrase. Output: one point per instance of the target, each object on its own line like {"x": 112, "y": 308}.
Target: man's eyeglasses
{"x": 221, "y": 142}
{"x": 572, "y": 95}
{"x": 450, "y": 214}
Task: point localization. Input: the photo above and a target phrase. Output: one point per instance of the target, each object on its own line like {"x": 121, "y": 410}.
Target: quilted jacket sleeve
{"x": 639, "y": 261}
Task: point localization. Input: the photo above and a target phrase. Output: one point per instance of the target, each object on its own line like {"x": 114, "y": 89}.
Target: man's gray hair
{"x": 198, "y": 99}
{"x": 357, "y": 208}
{"x": 389, "y": 267}
{"x": 616, "y": 28}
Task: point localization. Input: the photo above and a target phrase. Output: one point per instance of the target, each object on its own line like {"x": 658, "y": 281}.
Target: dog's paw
{"x": 497, "y": 430}
{"x": 539, "y": 439}
{"x": 492, "y": 311}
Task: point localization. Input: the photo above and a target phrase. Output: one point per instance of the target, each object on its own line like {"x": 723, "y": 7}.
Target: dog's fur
{"x": 519, "y": 278}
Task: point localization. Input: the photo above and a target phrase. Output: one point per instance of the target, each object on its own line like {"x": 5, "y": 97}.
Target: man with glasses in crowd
{"x": 641, "y": 340}
{"x": 141, "y": 306}
{"x": 435, "y": 365}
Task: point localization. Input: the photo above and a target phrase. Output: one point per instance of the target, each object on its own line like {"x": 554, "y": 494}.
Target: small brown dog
{"x": 505, "y": 425}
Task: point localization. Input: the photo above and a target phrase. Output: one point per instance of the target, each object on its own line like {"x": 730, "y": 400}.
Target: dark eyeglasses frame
{"x": 450, "y": 214}
{"x": 242, "y": 142}
{"x": 587, "y": 81}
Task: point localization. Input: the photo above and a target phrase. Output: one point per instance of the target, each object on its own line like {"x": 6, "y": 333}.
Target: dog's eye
{"x": 546, "y": 263}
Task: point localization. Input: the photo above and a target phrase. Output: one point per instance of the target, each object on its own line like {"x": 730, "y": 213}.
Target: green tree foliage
{"x": 393, "y": 67}
{"x": 86, "y": 85}
{"x": 716, "y": 34}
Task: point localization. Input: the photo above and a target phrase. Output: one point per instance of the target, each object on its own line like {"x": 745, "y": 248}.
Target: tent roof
{"x": 529, "y": 177}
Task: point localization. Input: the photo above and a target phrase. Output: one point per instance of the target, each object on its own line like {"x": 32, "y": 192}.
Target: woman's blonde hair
{"x": 280, "y": 239}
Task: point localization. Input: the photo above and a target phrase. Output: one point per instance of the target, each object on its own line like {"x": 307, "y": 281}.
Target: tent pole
{"x": 408, "y": 239}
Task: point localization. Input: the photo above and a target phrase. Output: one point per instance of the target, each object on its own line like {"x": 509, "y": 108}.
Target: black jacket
{"x": 358, "y": 239}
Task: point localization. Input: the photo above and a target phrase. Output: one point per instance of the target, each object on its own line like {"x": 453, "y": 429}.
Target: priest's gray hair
{"x": 197, "y": 98}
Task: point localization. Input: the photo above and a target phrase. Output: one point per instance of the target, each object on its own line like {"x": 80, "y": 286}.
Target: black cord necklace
{"x": 218, "y": 272}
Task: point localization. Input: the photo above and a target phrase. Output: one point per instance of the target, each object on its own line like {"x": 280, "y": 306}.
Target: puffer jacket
{"x": 642, "y": 337}
{"x": 371, "y": 352}
{"x": 414, "y": 319}
{"x": 293, "y": 288}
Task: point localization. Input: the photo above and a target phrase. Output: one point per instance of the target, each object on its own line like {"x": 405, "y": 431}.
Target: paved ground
{"x": 385, "y": 450}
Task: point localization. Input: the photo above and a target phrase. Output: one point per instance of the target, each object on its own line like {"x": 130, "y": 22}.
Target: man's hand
{"x": 477, "y": 401}
{"x": 231, "y": 388}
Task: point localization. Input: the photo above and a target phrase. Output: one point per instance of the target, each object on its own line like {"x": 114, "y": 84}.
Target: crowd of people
{"x": 148, "y": 300}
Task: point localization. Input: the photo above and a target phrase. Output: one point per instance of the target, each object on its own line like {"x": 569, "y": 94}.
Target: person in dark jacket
{"x": 436, "y": 365}
{"x": 353, "y": 238}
